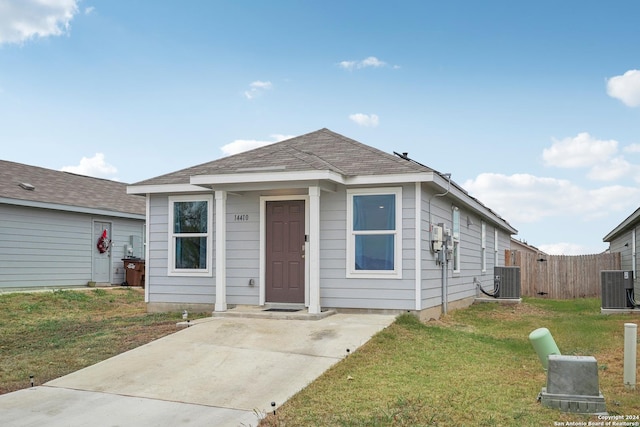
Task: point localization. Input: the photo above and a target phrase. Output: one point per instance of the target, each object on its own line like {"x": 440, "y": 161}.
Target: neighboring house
{"x": 320, "y": 221}
{"x": 522, "y": 246}
{"x": 50, "y": 223}
{"x": 623, "y": 239}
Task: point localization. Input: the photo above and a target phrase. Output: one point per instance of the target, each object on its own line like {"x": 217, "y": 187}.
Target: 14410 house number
{"x": 241, "y": 217}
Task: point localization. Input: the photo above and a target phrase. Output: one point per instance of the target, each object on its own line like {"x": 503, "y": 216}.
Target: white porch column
{"x": 314, "y": 250}
{"x": 221, "y": 250}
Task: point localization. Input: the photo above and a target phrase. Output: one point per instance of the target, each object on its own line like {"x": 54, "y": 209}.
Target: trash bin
{"x": 134, "y": 272}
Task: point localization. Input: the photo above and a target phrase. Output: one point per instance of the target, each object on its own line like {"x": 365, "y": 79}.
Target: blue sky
{"x": 533, "y": 107}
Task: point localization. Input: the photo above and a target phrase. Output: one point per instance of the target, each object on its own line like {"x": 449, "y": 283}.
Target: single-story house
{"x": 524, "y": 247}
{"x": 60, "y": 229}
{"x": 317, "y": 221}
{"x": 623, "y": 239}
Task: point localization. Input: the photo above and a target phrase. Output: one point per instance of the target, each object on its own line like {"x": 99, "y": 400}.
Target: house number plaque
{"x": 241, "y": 217}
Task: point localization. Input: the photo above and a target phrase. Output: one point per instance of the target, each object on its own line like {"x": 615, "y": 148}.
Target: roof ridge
{"x": 326, "y": 162}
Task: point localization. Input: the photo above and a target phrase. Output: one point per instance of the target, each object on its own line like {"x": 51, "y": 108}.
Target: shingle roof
{"x": 64, "y": 188}
{"x": 320, "y": 150}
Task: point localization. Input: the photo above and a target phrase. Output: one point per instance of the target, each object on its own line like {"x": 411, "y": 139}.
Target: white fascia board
{"x": 253, "y": 177}
{"x": 165, "y": 188}
{"x": 480, "y": 208}
{"x": 455, "y": 191}
{"x": 390, "y": 179}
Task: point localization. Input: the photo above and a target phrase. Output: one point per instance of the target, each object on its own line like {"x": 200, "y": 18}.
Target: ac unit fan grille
{"x": 615, "y": 284}
{"x": 507, "y": 282}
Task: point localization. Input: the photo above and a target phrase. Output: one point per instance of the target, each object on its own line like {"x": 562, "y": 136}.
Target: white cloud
{"x": 257, "y": 88}
{"x": 89, "y": 10}
{"x": 580, "y": 151}
{"x": 241, "y": 145}
{"x": 95, "y": 166}
{"x": 632, "y": 148}
{"x": 612, "y": 169}
{"x": 564, "y": 248}
{"x": 22, "y": 20}
{"x": 601, "y": 156}
{"x": 368, "y": 120}
{"x": 528, "y": 198}
{"x": 626, "y": 88}
{"x": 371, "y": 61}
{"x": 522, "y": 197}
{"x": 347, "y": 65}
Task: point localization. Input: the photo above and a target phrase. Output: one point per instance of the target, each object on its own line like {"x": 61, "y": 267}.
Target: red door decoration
{"x": 103, "y": 242}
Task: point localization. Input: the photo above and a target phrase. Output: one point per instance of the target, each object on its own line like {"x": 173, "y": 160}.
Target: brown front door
{"x": 285, "y": 251}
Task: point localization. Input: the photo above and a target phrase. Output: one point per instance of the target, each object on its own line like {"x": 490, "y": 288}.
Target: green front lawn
{"x": 474, "y": 367}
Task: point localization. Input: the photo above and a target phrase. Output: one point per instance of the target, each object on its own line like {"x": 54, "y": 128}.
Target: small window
{"x": 456, "y": 239}
{"x": 483, "y": 246}
{"x": 495, "y": 247}
{"x": 374, "y": 237}
{"x": 190, "y": 236}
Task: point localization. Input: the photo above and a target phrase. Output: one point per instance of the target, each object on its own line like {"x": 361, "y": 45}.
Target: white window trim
{"x": 396, "y": 273}
{"x": 171, "y": 270}
{"x": 483, "y": 245}
{"x": 495, "y": 247}
{"x": 456, "y": 239}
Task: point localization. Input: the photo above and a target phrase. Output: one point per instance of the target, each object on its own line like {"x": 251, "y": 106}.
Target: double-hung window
{"x": 374, "y": 232}
{"x": 190, "y": 235}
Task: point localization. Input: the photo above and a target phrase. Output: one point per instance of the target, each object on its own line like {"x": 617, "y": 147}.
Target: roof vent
{"x": 27, "y": 186}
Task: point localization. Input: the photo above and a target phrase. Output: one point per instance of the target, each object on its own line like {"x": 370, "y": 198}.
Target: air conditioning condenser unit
{"x": 507, "y": 282}
{"x": 616, "y": 286}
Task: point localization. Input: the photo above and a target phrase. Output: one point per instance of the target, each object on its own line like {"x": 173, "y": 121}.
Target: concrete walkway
{"x": 219, "y": 372}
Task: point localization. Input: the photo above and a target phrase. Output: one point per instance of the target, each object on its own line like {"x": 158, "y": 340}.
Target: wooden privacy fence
{"x": 561, "y": 276}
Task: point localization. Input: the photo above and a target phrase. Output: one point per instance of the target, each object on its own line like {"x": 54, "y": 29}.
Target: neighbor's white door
{"x": 101, "y": 261}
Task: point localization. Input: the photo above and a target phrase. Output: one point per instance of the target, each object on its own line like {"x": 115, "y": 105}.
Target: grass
{"x": 474, "y": 367}
{"x": 50, "y": 334}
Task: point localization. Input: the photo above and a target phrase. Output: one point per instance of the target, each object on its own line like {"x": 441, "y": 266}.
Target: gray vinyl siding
{"x": 504, "y": 242}
{"x": 626, "y": 254}
{"x": 123, "y": 232}
{"x": 162, "y": 287}
{"x": 50, "y": 248}
{"x": 338, "y": 291}
{"x": 243, "y": 249}
{"x": 459, "y": 284}
{"x": 438, "y": 212}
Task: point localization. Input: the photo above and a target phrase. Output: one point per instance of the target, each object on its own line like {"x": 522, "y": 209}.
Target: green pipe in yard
{"x": 544, "y": 345}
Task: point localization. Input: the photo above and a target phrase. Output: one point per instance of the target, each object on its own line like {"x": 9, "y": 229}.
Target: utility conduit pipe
{"x": 630, "y": 355}
{"x": 544, "y": 345}
{"x": 442, "y": 253}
